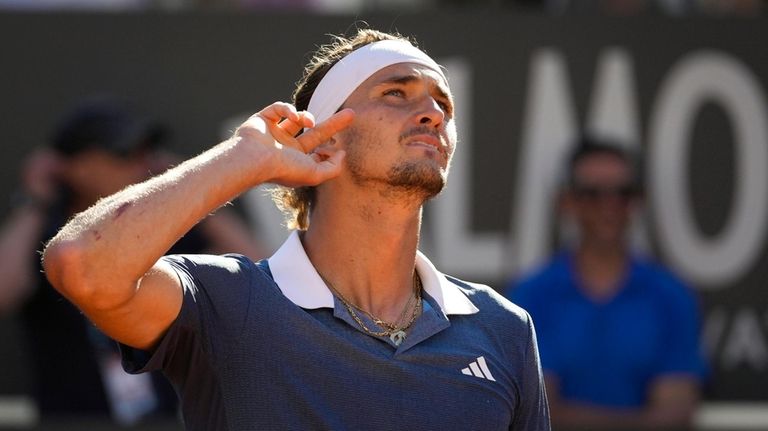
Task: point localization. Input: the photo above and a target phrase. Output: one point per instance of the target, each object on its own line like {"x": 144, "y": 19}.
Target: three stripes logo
{"x": 479, "y": 368}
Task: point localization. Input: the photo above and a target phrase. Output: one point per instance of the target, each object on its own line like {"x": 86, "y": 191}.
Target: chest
{"x": 628, "y": 330}
{"x": 325, "y": 374}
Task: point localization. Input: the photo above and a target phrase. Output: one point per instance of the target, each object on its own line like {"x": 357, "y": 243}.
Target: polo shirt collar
{"x": 300, "y": 282}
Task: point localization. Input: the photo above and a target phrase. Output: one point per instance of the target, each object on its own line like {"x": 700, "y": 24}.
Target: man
{"x": 100, "y": 147}
{"x": 619, "y": 335}
{"x": 346, "y": 326}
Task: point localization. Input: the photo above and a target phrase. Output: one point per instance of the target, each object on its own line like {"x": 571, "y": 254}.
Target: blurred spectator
{"x": 618, "y": 334}
{"x": 99, "y": 148}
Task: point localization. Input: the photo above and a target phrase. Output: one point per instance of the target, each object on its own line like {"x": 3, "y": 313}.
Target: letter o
{"x": 718, "y": 78}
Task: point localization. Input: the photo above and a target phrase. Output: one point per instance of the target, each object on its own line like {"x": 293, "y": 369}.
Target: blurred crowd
{"x": 102, "y": 145}
{"x": 557, "y": 7}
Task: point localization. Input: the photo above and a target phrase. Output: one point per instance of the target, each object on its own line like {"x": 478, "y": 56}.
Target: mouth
{"x": 426, "y": 141}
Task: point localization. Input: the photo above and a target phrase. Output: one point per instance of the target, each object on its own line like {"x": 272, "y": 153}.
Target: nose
{"x": 431, "y": 114}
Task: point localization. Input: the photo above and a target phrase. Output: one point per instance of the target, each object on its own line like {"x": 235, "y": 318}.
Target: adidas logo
{"x": 478, "y": 368}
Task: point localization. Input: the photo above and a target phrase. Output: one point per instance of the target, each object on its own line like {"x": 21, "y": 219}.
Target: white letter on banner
{"x": 548, "y": 128}
{"x": 264, "y": 214}
{"x": 745, "y": 344}
{"x": 613, "y": 115}
{"x": 548, "y": 132}
{"x": 613, "y": 108}
{"x": 455, "y": 247}
{"x": 709, "y": 77}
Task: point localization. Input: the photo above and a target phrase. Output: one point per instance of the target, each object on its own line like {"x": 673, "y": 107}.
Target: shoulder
{"x": 493, "y": 306}
{"x": 206, "y": 264}
{"x": 660, "y": 280}
{"x": 557, "y": 266}
{"x": 205, "y": 270}
{"x": 540, "y": 281}
{"x": 499, "y": 325}
{"x": 651, "y": 271}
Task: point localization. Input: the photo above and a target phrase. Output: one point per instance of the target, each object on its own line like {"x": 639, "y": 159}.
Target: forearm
{"x": 19, "y": 239}
{"x": 576, "y": 416}
{"x": 572, "y": 416}
{"x": 115, "y": 242}
{"x": 105, "y": 259}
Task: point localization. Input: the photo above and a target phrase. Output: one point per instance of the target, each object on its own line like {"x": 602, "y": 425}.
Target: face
{"x": 602, "y": 198}
{"x": 94, "y": 174}
{"x": 404, "y": 133}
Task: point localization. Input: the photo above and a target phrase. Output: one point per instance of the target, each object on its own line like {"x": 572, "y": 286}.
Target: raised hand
{"x": 302, "y": 160}
{"x": 134, "y": 299}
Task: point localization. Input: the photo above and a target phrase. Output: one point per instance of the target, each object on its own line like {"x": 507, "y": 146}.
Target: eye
{"x": 394, "y": 92}
{"x": 445, "y": 106}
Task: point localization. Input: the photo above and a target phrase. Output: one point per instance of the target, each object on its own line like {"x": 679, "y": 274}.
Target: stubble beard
{"x": 421, "y": 179}
{"x": 409, "y": 179}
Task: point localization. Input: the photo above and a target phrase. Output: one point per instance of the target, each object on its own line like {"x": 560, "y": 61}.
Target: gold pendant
{"x": 397, "y": 337}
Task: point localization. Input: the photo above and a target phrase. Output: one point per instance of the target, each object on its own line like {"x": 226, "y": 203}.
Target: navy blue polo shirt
{"x": 267, "y": 346}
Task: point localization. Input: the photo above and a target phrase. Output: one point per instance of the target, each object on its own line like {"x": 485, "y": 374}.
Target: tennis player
{"x": 347, "y": 326}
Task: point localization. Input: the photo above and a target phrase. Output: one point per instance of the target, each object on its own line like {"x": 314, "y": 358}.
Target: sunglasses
{"x": 624, "y": 192}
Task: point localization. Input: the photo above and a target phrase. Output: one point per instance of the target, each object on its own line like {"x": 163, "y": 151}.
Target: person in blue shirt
{"x": 347, "y": 326}
{"x": 618, "y": 333}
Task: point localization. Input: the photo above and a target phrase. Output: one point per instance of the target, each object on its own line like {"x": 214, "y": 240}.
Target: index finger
{"x": 324, "y": 131}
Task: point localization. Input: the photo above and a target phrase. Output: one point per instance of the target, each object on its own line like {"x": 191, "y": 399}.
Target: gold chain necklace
{"x": 395, "y": 332}
{"x": 384, "y": 324}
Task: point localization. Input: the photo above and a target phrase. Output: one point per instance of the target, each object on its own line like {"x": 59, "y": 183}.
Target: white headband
{"x": 349, "y": 72}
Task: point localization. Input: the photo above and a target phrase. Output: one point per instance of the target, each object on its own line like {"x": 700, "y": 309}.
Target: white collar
{"x": 300, "y": 282}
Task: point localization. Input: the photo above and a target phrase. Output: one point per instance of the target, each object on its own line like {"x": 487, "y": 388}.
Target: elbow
{"x": 62, "y": 262}
{"x": 68, "y": 267}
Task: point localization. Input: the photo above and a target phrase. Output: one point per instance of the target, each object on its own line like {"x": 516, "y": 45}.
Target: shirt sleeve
{"x": 682, "y": 349}
{"x": 529, "y": 294}
{"x": 212, "y": 316}
{"x": 533, "y": 409}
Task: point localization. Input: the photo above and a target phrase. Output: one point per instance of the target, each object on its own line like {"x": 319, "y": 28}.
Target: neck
{"x": 601, "y": 268}
{"x": 366, "y": 249}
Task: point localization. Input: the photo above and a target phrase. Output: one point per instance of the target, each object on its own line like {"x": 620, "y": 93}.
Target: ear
{"x": 334, "y": 142}
{"x": 331, "y": 144}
